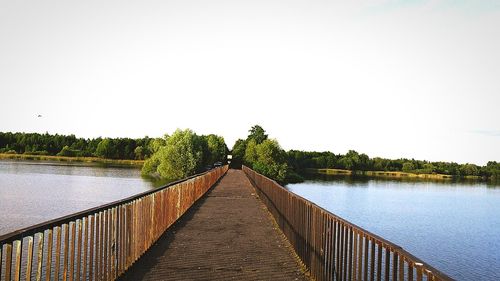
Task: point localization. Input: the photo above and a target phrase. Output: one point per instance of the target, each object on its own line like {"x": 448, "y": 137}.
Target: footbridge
{"x": 224, "y": 224}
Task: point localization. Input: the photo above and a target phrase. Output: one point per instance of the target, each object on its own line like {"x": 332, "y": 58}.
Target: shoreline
{"x": 30, "y": 157}
{"x": 391, "y": 174}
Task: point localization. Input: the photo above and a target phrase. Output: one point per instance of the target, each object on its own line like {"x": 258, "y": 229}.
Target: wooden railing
{"x": 333, "y": 248}
{"x": 100, "y": 243}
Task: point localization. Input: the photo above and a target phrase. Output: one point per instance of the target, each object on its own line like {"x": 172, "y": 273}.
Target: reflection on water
{"x": 32, "y": 192}
{"x": 359, "y": 180}
{"x": 453, "y": 225}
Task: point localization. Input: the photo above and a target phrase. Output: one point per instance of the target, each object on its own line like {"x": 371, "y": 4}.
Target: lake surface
{"x": 453, "y": 226}
{"x": 32, "y": 192}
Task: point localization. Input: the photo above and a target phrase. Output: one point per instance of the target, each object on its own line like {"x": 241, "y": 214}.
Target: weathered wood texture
{"x": 331, "y": 247}
{"x": 228, "y": 235}
{"x": 117, "y": 235}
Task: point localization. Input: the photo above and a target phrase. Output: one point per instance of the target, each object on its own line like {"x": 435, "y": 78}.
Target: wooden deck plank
{"x": 227, "y": 235}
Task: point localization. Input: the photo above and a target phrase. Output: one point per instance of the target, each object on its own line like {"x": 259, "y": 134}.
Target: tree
{"x": 271, "y": 160}
{"x": 251, "y": 153}
{"x": 156, "y": 143}
{"x": 408, "y": 167}
{"x": 105, "y": 149}
{"x": 66, "y": 151}
{"x": 216, "y": 148}
{"x": 139, "y": 153}
{"x": 428, "y": 168}
{"x": 469, "y": 170}
{"x": 181, "y": 156}
{"x": 258, "y": 134}
{"x": 238, "y": 153}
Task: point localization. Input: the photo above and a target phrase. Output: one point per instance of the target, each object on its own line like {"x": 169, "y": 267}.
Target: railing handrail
{"x": 376, "y": 237}
{"x": 31, "y": 230}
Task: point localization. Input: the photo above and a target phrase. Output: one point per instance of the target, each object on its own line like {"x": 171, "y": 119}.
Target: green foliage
{"x": 408, "y": 167}
{"x": 38, "y": 152}
{"x": 150, "y": 167}
{"x": 293, "y": 177}
{"x": 217, "y": 149}
{"x": 105, "y": 149}
{"x": 299, "y": 161}
{"x": 238, "y": 153}
{"x": 239, "y": 148}
{"x": 492, "y": 169}
{"x": 263, "y": 155}
{"x": 251, "y": 153}
{"x": 155, "y": 144}
{"x": 183, "y": 154}
{"x": 428, "y": 168}
{"x": 46, "y": 144}
{"x": 257, "y": 133}
{"x": 140, "y": 152}
{"x": 69, "y": 152}
{"x": 469, "y": 170}
{"x": 271, "y": 160}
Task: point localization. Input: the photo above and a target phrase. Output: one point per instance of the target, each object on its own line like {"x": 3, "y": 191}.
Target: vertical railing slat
{"x": 100, "y": 244}
{"x": 379, "y": 261}
{"x": 365, "y": 265}
{"x": 18, "y": 244}
{"x": 92, "y": 232}
{"x": 39, "y": 256}
{"x": 387, "y": 263}
{"x": 78, "y": 249}
{"x": 48, "y": 262}
{"x": 410, "y": 271}
{"x": 29, "y": 259}
{"x": 395, "y": 266}
{"x": 360, "y": 256}
{"x": 85, "y": 226}
{"x": 65, "y": 251}
{"x": 58, "y": 254}
{"x": 401, "y": 268}
{"x": 72, "y": 245}
{"x": 1, "y": 260}
{"x": 372, "y": 260}
{"x": 354, "y": 275}
{"x": 419, "y": 271}
{"x": 351, "y": 252}
{"x": 8, "y": 261}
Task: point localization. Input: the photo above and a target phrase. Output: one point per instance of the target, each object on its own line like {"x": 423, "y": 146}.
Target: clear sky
{"x": 393, "y": 79}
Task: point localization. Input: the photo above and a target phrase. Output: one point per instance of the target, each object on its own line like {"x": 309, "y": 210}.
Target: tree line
{"x": 267, "y": 157}
{"x": 185, "y": 153}
{"x": 354, "y": 161}
{"x": 70, "y": 145}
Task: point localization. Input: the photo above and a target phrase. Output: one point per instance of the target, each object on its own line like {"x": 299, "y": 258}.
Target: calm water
{"x": 455, "y": 227}
{"x": 34, "y": 192}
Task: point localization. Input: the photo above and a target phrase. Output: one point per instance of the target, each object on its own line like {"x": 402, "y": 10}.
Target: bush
{"x": 39, "y": 152}
{"x": 68, "y": 152}
{"x": 408, "y": 167}
{"x": 182, "y": 155}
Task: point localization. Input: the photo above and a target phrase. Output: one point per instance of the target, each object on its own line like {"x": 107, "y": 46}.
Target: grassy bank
{"x": 137, "y": 163}
{"x": 387, "y": 174}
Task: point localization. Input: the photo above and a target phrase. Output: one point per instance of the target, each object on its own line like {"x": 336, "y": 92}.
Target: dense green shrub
{"x": 183, "y": 154}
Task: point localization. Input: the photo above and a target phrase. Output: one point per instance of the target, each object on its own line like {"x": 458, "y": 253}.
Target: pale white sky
{"x": 393, "y": 79}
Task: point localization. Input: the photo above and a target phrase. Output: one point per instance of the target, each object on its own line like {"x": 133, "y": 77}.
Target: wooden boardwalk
{"x": 227, "y": 235}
